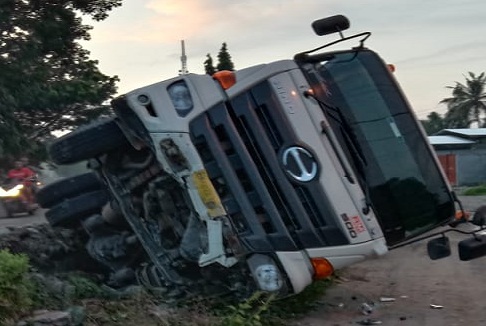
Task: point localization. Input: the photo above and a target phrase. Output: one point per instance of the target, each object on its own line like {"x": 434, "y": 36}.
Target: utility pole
{"x": 183, "y": 70}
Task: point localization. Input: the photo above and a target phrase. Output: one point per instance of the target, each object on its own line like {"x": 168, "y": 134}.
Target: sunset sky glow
{"x": 431, "y": 43}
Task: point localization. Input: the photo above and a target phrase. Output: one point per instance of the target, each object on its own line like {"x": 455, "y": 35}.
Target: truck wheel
{"x": 67, "y": 188}
{"x": 87, "y": 142}
{"x": 70, "y": 212}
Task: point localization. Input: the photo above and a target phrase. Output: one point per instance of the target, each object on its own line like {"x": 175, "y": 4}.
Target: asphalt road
{"x": 23, "y": 219}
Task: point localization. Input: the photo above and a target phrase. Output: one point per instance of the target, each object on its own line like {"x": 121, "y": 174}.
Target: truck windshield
{"x": 396, "y": 165}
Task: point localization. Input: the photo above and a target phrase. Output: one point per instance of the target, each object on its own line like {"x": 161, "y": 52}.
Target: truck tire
{"x": 57, "y": 191}
{"x": 70, "y": 212}
{"x": 87, "y": 141}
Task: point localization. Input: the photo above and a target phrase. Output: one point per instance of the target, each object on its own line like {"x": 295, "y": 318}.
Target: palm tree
{"x": 468, "y": 101}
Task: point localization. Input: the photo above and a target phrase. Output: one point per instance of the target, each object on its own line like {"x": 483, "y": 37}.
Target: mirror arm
{"x": 436, "y": 234}
{"x": 463, "y": 212}
{"x": 304, "y": 55}
{"x": 475, "y": 235}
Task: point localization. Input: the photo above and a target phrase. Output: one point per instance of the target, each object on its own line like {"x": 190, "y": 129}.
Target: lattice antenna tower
{"x": 183, "y": 70}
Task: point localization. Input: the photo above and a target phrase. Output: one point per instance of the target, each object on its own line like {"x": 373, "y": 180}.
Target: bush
{"x": 15, "y": 286}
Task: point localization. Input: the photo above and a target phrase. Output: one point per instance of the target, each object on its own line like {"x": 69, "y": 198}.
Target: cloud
{"x": 165, "y": 21}
{"x": 450, "y": 54}
{"x": 432, "y": 42}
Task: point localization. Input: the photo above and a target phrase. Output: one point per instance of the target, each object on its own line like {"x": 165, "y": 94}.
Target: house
{"x": 462, "y": 153}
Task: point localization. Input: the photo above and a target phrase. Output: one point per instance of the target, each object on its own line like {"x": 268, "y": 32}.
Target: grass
{"x": 15, "y": 287}
{"x": 263, "y": 309}
{"x": 260, "y": 309}
{"x": 20, "y": 294}
{"x": 475, "y": 191}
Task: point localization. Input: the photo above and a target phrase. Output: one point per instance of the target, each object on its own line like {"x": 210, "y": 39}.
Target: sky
{"x": 432, "y": 43}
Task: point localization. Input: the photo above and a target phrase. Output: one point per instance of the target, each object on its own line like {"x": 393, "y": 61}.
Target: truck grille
{"x": 239, "y": 143}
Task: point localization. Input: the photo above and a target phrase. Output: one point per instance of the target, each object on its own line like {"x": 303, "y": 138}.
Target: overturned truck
{"x": 261, "y": 179}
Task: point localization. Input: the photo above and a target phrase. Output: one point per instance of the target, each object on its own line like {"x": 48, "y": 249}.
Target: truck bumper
{"x": 299, "y": 270}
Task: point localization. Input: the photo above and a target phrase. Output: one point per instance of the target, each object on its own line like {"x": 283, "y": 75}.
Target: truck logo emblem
{"x": 299, "y": 163}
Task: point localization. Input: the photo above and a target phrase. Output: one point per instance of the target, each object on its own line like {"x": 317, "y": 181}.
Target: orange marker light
{"x": 225, "y": 78}
{"x": 322, "y": 268}
{"x": 391, "y": 67}
{"x": 460, "y": 215}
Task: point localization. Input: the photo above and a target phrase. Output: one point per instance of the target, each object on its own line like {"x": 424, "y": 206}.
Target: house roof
{"x": 470, "y": 133}
{"x": 449, "y": 140}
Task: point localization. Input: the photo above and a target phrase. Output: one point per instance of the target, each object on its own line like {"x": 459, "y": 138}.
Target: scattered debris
{"x": 366, "y": 308}
{"x": 403, "y": 318}
{"x": 404, "y": 297}
{"x": 341, "y": 279}
{"x": 370, "y": 322}
{"x": 436, "y": 306}
{"x": 387, "y": 299}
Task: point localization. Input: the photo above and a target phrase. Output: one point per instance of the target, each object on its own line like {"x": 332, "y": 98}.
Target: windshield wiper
{"x": 351, "y": 143}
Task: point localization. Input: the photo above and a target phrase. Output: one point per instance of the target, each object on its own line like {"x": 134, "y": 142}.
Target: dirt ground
{"x": 415, "y": 283}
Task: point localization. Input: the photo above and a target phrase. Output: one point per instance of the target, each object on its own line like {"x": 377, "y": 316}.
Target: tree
{"x": 455, "y": 117}
{"x": 208, "y": 65}
{"x": 434, "y": 123}
{"x": 468, "y": 102}
{"x": 224, "y": 59}
{"x": 48, "y": 81}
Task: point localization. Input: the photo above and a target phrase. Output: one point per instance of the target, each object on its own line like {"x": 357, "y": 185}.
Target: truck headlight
{"x": 181, "y": 98}
{"x": 266, "y": 273}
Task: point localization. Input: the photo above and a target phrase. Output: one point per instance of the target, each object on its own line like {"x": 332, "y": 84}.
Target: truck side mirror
{"x": 472, "y": 248}
{"x": 439, "y": 248}
{"x": 333, "y": 24}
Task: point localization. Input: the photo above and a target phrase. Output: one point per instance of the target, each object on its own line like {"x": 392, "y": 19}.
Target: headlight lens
{"x": 266, "y": 273}
{"x": 181, "y": 98}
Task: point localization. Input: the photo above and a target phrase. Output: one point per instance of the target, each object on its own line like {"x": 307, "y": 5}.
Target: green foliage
{"x": 61, "y": 291}
{"x": 209, "y": 66}
{"x": 468, "y": 102}
{"x": 48, "y": 81}
{"x": 224, "y": 59}
{"x": 433, "y": 124}
{"x": 263, "y": 309}
{"x": 466, "y": 106}
{"x": 85, "y": 288}
{"x": 475, "y": 191}
{"x": 15, "y": 287}
{"x": 248, "y": 312}
{"x": 303, "y": 302}
{"x": 43, "y": 298}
